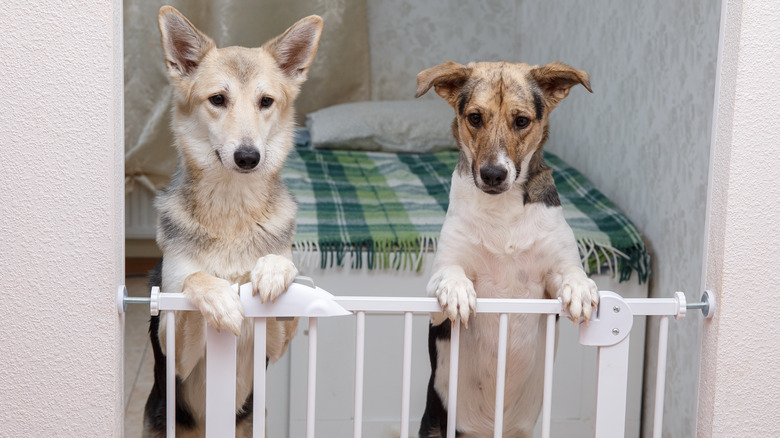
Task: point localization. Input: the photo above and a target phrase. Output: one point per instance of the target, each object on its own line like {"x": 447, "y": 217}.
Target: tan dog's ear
{"x": 294, "y": 50}
{"x": 556, "y": 79}
{"x": 183, "y": 44}
{"x": 447, "y": 78}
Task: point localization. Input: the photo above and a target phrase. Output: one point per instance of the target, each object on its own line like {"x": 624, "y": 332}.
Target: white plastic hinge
{"x": 301, "y": 299}
{"x": 611, "y": 323}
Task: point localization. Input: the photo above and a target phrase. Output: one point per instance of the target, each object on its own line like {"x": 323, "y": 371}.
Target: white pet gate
{"x": 608, "y": 330}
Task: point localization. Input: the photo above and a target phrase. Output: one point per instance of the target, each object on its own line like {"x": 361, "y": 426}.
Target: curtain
{"x": 340, "y": 72}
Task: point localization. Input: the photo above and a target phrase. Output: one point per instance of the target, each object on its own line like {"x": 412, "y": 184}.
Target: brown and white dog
{"x": 226, "y": 216}
{"x": 504, "y": 236}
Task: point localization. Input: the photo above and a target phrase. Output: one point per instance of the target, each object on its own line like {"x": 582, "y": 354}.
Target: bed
{"x": 391, "y": 207}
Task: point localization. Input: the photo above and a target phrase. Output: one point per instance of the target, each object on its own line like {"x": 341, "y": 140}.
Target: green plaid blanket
{"x": 392, "y": 206}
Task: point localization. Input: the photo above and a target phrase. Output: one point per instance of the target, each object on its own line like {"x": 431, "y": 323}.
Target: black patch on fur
{"x": 540, "y": 186}
{"x": 247, "y": 409}
{"x": 549, "y": 198}
{"x": 169, "y": 229}
{"x": 465, "y": 94}
{"x": 538, "y": 105}
{"x": 434, "y": 419}
{"x": 155, "y": 275}
{"x": 462, "y": 100}
{"x": 155, "y": 409}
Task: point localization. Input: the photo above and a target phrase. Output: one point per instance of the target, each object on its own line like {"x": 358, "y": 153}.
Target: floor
{"x": 139, "y": 360}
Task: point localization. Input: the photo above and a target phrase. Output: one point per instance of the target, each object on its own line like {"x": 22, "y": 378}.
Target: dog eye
{"x": 475, "y": 119}
{"x": 217, "y": 100}
{"x": 522, "y": 122}
{"x": 265, "y": 102}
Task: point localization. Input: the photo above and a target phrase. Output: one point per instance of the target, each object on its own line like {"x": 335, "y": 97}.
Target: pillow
{"x": 408, "y": 126}
{"x": 301, "y": 137}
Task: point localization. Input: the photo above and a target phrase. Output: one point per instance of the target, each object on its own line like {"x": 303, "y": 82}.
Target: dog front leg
{"x": 578, "y": 292}
{"x": 273, "y": 274}
{"x": 220, "y": 307}
{"x": 455, "y": 293}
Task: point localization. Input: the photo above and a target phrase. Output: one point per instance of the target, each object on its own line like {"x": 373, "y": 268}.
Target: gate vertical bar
{"x": 220, "y": 382}
{"x": 406, "y": 377}
{"x": 452, "y": 393}
{"x": 170, "y": 374}
{"x": 312, "y": 389}
{"x": 258, "y": 408}
{"x": 549, "y": 356}
{"x": 498, "y": 423}
{"x": 660, "y": 377}
{"x": 612, "y": 384}
{"x": 360, "y": 342}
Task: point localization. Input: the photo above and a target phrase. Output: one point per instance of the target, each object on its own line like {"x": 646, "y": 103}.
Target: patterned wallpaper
{"x": 643, "y": 137}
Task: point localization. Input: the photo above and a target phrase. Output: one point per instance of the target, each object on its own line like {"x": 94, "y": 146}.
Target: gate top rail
{"x": 303, "y": 299}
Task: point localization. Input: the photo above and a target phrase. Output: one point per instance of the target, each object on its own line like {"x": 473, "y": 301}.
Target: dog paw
{"x": 455, "y": 293}
{"x": 219, "y": 304}
{"x": 271, "y": 276}
{"x": 579, "y": 294}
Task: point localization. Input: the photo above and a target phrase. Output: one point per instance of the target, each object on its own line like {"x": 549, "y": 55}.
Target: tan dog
{"x": 504, "y": 237}
{"x": 226, "y": 217}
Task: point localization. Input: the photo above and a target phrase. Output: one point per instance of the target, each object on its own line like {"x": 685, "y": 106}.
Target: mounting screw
{"x": 708, "y": 298}
{"x": 616, "y": 309}
{"x": 615, "y": 331}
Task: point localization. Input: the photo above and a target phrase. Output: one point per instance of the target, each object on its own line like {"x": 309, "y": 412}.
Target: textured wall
{"x": 738, "y": 396}
{"x": 408, "y": 36}
{"x": 643, "y": 139}
{"x": 643, "y": 136}
{"x": 61, "y": 245}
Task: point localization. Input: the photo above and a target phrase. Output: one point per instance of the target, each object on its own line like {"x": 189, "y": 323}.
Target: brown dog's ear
{"x": 447, "y": 79}
{"x": 294, "y": 50}
{"x": 556, "y": 79}
{"x": 183, "y": 44}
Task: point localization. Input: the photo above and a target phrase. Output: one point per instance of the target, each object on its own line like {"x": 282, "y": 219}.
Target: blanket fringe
{"x": 410, "y": 254}
{"x": 621, "y": 263}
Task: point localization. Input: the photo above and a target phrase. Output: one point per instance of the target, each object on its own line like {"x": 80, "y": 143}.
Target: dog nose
{"x": 492, "y": 175}
{"x": 246, "y": 157}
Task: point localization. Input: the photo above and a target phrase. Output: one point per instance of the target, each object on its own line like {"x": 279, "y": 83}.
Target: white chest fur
{"x": 507, "y": 250}
{"x": 505, "y": 247}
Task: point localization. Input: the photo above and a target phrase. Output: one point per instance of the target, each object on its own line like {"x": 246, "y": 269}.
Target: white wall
{"x": 61, "y": 232}
{"x": 740, "y": 354}
{"x": 642, "y": 137}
